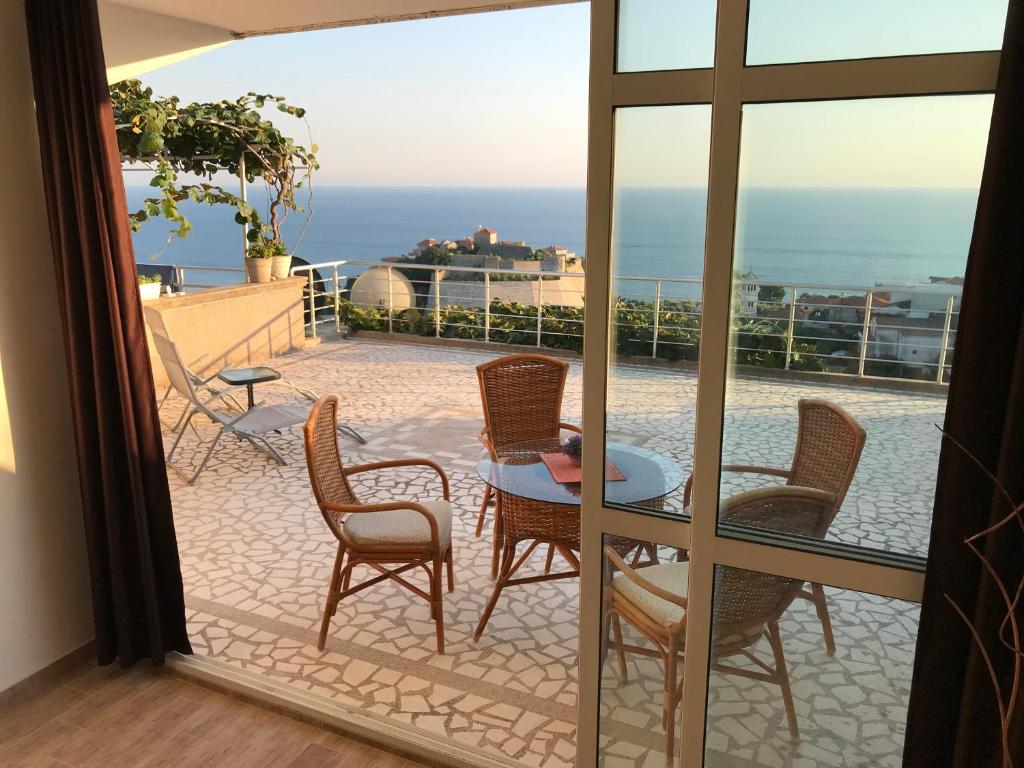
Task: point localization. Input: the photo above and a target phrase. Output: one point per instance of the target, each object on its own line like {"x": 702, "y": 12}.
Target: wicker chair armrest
{"x": 388, "y": 506}
{"x": 570, "y": 427}
{"x": 390, "y": 464}
{"x": 484, "y": 438}
{"x": 688, "y": 489}
{"x": 641, "y": 582}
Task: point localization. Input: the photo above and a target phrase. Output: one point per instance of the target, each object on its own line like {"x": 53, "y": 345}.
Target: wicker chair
{"x": 522, "y": 400}
{"x": 747, "y": 604}
{"x": 828, "y": 447}
{"x": 407, "y": 534}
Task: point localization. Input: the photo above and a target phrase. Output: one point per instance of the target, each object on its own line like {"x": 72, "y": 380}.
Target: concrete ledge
{"x": 234, "y": 326}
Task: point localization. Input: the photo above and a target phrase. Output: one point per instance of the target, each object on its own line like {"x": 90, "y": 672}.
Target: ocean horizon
{"x": 829, "y": 236}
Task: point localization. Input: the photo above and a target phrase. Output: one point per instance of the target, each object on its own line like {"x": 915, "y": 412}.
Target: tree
{"x": 203, "y": 139}
{"x": 771, "y": 293}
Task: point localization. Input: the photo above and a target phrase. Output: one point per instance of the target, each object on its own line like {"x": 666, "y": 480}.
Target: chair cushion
{"x": 399, "y": 526}
{"x": 672, "y": 577}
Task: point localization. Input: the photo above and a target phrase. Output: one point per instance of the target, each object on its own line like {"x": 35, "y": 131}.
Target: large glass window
{"x": 665, "y": 34}
{"x": 854, "y": 219}
{"x": 776, "y": 696}
{"x": 782, "y": 31}
{"x": 660, "y": 203}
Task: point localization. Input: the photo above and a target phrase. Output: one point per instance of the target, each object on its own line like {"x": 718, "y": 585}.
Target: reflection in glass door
{"x": 774, "y": 261}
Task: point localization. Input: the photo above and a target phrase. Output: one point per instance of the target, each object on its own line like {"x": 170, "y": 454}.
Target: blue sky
{"x": 496, "y": 99}
{"x": 500, "y": 99}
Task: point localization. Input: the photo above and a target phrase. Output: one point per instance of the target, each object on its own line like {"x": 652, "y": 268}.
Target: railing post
{"x": 789, "y": 329}
{"x": 946, "y": 325}
{"x": 244, "y": 195}
{"x": 487, "y": 306}
{"x": 180, "y": 271}
{"x": 391, "y": 303}
{"x": 312, "y": 302}
{"x": 437, "y": 303}
{"x": 540, "y": 304}
{"x": 864, "y": 332}
{"x": 337, "y": 303}
{"x": 657, "y": 317}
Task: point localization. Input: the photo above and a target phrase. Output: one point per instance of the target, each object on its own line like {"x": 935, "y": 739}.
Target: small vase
{"x": 258, "y": 270}
{"x": 280, "y": 266}
{"x": 575, "y": 460}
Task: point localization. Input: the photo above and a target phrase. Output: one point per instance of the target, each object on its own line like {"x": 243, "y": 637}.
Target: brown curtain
{"x": 953, "y": 718}
{"x": 133, "y": 556}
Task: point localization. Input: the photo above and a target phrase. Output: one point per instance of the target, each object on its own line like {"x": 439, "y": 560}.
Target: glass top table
{"x": 248, "y": 377}
{"x": 520, "y": 471}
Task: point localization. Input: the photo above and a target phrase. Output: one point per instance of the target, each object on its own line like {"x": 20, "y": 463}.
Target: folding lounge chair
{"x": 155, "y": 321}
{"x": 249, "y": 425}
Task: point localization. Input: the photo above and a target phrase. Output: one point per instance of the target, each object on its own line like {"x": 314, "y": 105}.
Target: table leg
{"x": 252, "y": 401}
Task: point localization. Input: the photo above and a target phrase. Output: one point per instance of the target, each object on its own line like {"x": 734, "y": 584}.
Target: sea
{"x": 819, "y": 236}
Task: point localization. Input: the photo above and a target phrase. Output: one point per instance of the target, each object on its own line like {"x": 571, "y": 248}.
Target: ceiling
{"x": 244, "y": 18}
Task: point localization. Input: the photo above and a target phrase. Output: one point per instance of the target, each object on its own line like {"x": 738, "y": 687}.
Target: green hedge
{"x": 759, "y": 342}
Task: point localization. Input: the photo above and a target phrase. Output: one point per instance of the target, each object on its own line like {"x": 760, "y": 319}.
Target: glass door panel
{"x": 776, "y": 696}
{"x": 853, "y": 223}
{"x": 659, "y": 208}
{"x": 643, "y": 599}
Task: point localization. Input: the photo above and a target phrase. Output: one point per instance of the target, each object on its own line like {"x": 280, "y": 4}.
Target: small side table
{"x": 248, "y": 377}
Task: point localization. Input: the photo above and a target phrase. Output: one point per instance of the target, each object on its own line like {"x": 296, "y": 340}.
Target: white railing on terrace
{"x": 659, "y": 317}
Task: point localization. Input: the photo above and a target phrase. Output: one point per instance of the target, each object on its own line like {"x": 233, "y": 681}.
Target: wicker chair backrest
{"x": 522, "y": 397}
{"x": 828, "y": 447}
{"x": 323, "y": 460}
{"x": 743, "y": 598}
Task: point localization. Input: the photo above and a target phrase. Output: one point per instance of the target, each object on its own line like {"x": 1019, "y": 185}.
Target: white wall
{"x": 45, "y": 609}
{"x": 137, "y": 41}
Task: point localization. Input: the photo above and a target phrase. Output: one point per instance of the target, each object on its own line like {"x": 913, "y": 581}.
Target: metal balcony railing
{"x": 856, "y": 331}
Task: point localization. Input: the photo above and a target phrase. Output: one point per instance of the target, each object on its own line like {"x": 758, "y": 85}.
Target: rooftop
{"x": 256, "y": 558}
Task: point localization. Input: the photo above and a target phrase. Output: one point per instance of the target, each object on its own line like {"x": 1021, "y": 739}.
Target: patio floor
{"x": 256, "y": 558}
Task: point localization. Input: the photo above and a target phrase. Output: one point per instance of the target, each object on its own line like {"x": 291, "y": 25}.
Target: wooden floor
{"x": 112, "y": 718}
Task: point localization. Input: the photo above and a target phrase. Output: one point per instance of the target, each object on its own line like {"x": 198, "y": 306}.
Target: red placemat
{"x": 563, "y": 470}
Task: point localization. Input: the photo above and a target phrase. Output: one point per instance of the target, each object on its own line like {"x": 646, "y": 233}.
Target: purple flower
{"x": 573, "y": 447}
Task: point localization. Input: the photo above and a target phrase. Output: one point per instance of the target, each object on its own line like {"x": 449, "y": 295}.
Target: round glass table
{"x": 532, "y": 507}
{"x": 520, "y": 471}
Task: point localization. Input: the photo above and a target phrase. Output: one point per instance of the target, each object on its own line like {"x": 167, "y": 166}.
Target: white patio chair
{"x": 158, "y": 328}
{"x": 249, "y": 425}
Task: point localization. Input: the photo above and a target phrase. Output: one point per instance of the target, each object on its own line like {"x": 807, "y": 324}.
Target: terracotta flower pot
{"x": 280, "y": 266}
{"x": 258, "y": 270}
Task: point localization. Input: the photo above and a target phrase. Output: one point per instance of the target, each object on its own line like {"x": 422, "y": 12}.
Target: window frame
{"x": 726, "y": 87}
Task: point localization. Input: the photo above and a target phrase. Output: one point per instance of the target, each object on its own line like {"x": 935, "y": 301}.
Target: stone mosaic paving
{"x": 256, "y": 558}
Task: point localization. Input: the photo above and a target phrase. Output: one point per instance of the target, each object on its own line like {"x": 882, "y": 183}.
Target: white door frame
{"x": 726, "y": 87}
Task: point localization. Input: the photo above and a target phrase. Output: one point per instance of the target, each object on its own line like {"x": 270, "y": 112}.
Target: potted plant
{"x": 149, "y": 287}
{"x": 259, "y": 259}
{"x": 573, "y": 448}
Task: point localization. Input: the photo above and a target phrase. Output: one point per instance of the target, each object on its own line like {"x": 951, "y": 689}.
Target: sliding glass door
{"x": 780, "y": 203}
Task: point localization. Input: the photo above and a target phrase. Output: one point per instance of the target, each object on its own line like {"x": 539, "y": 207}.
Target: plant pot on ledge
{"x": 258, "y": 270}
{"x": 280, "y": 266}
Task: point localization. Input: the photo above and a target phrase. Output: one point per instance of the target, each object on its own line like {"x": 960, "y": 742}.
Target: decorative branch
{"x": 1006, "y": 700}
{"x": 203, "y": 139}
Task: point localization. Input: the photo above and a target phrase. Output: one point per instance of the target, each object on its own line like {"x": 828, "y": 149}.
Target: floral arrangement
{"x": 573, "y": 448}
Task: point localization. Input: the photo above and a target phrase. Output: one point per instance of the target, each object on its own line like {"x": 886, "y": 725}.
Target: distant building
{"x": 914, "y": 340}
{"x": 748, "y": 293}
{"x": 422, "y": 245}
{"x": 484, "y": 237}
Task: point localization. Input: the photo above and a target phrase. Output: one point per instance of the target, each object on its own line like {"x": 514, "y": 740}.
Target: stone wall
{"x": 235, "y": 326}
